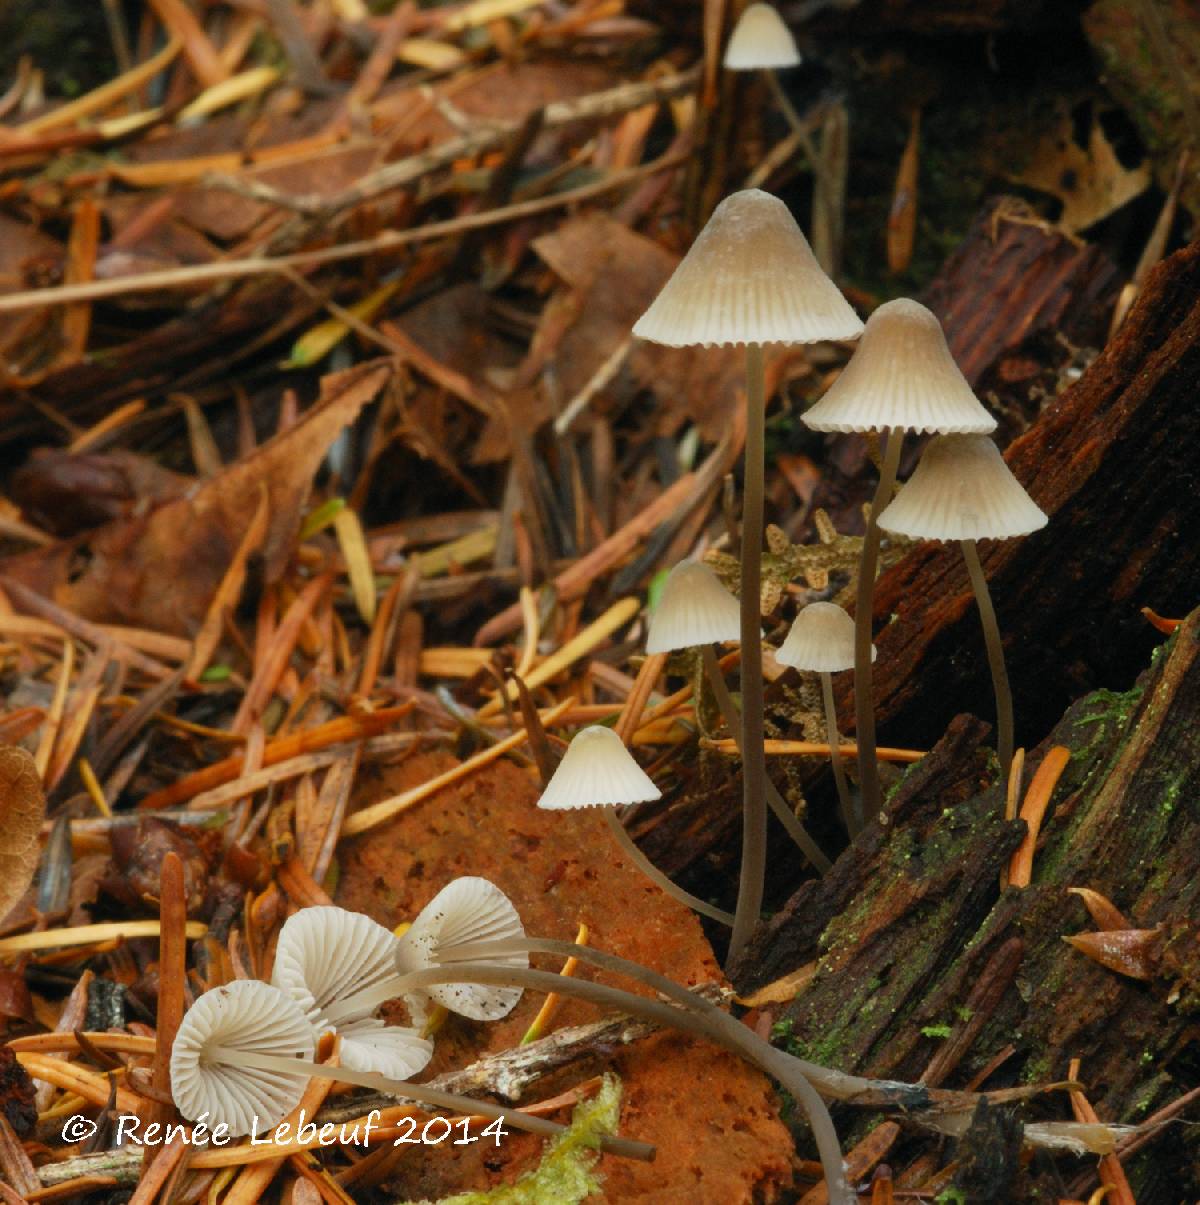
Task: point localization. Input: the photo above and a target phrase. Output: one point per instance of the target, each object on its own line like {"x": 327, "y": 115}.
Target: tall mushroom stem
{"x": 868, "y": 565}
{"x": 613, "y": 1145}
{"x": 995, "y": 655}
{"x": 729, "y": 713}
{"x": 643, "y": 863}
{"x": 716, "y": 1027}
{"x": 850, "y": 815}
{"x": 754, "y": 759}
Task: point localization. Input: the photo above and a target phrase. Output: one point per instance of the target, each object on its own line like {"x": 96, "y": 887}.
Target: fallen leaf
{"x": 22, "y": 810}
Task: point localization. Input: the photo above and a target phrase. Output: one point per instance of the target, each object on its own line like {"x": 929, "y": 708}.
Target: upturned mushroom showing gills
{"x": 598, "y": 771}
{"x": 962, "y": 490}
{"x": 901, "y": 378}
{"x": 325, "y": 954}
{"x": 696, "y": 611}
{"x": 750, "y": 278}
{"x": 243, "y": 1056}
{"x": 821, "y": 641}
{"x": 208, "y": 1069}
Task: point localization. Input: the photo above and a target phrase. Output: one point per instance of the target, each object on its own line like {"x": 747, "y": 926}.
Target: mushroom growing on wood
{"x": 821, "y": 641}
{"x": 901, "y": 378}
{"x": 962, "y": 490}
{"x": 598, "y": 771}
{"x": 750, "y": 278}
{"x": 695, "y": 610}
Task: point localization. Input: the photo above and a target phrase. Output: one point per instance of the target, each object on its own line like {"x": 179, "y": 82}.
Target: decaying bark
{"x": 1113, "y": 463}
{"x": 923, "y": 966}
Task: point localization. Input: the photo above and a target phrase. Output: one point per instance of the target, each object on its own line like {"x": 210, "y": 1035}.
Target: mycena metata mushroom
{"x": 901, "y": 378}
{"x": 821, "y": 641}
{"x": 695, "y": 610}
{"x": 750, "y": 278}
{"x": 962, "y": 490}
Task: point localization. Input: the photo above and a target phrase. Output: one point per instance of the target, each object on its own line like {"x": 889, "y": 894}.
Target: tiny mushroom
{"x": 695, "y": 610}
{"x": 327, "y": 954}
{"x": 760, "y": 39}
{"x": 901, "y": 378}
{"x": 962, "y": 490}
{"x": 465, "y": 911}
{"x": 750, "y": 278}
{"x": 821, "y": 641}
{"x": 209, "y": 1073}
{"x": 762, "y": 42}
{"x": 598, "y": 771}
{"x": 243, "y": 1056}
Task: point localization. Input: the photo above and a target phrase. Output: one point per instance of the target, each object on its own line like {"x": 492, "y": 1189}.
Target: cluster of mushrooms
{"x": 245, "y": 1051}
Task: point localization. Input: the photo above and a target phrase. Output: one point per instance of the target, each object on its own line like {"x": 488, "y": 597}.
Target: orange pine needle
{"x": 1033, "y": 810}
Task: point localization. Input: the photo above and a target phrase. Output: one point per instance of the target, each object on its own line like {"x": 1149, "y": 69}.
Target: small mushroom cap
{"x": 466, "y": 911}
{"x": 243, "y": 1015}
{"x": 962, "y": 490}
{"x": 694, "y": 608}
{"x": 325, "y": 954}
{"x": 760, "y": 39}
{"x": 901, "y": 377}
{"x": 750, "y": 277}
{"x": 821, "y": 640}
{"x": 596, "y": 770}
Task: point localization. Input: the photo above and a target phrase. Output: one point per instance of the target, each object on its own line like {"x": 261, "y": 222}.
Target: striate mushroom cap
{"x": 244, "y": 1015}
{"x": 327, "y": 954}
{"x": 694, "y": 608}
{"x": 465, "y": 911}
{"x": 901, "y": 377}
{"x": 750, "y": 277}
{"x": 760, "y": 39}
{"x": 821, "y": 640}
{"x": 961, "y": 489}
{"x": 597, "y": 770}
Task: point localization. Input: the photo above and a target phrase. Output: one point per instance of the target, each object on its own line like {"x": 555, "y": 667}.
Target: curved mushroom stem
{"x": 729, "y": 713}
{"x": 754, "y": 758}
{"x": 725, "y": 1031}
{"x": 995, "y": 655}
{"x": 643, "y": 863}
{"x": 625, "y": 1147}
{"x": 850, "y": 816}
{"x": 868, "y": 564}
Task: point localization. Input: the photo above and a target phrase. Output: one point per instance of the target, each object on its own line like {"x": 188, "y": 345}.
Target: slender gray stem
{"x": 626, "y": 1147}
{"x": 754, "y": 758}
{"x": 643, "y": 863}
{"x": 776, "y": 802}
{"x": 725, "y": 1032}
{"x": 995, "y": 655}
{"x": 864, "y": 703}
{"x": 850, "y": 816}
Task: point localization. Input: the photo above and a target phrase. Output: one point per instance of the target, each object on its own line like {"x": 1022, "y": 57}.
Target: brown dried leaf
{"x": 161, "y": 570}
{"x": 1130, "y": 952}
{"x": 1101, "y": 909}
{"x": 22, "y": 810}
{"x": 1082, "y": 171}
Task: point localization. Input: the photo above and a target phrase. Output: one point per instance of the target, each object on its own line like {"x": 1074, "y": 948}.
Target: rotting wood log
{"x": 922, "y": 963}
{"x": 1012, "y": 286}
{"x": 1113, "y": 463}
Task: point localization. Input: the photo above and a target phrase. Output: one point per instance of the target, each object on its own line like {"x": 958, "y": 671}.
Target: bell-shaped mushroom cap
{"x": 327, "y": 954}
{"x": 760, "y": 39}
{"x": 597, "y": 769}
{"x": 464, "y": 912}
{"x": 750, "y": 277}
{"x": 962, "y": 490}
{"x": 903, "y": 377}
{"x": 694, "y": 608}
{"x": 249, "y": 1016}
{"x": 821, "y": 640}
